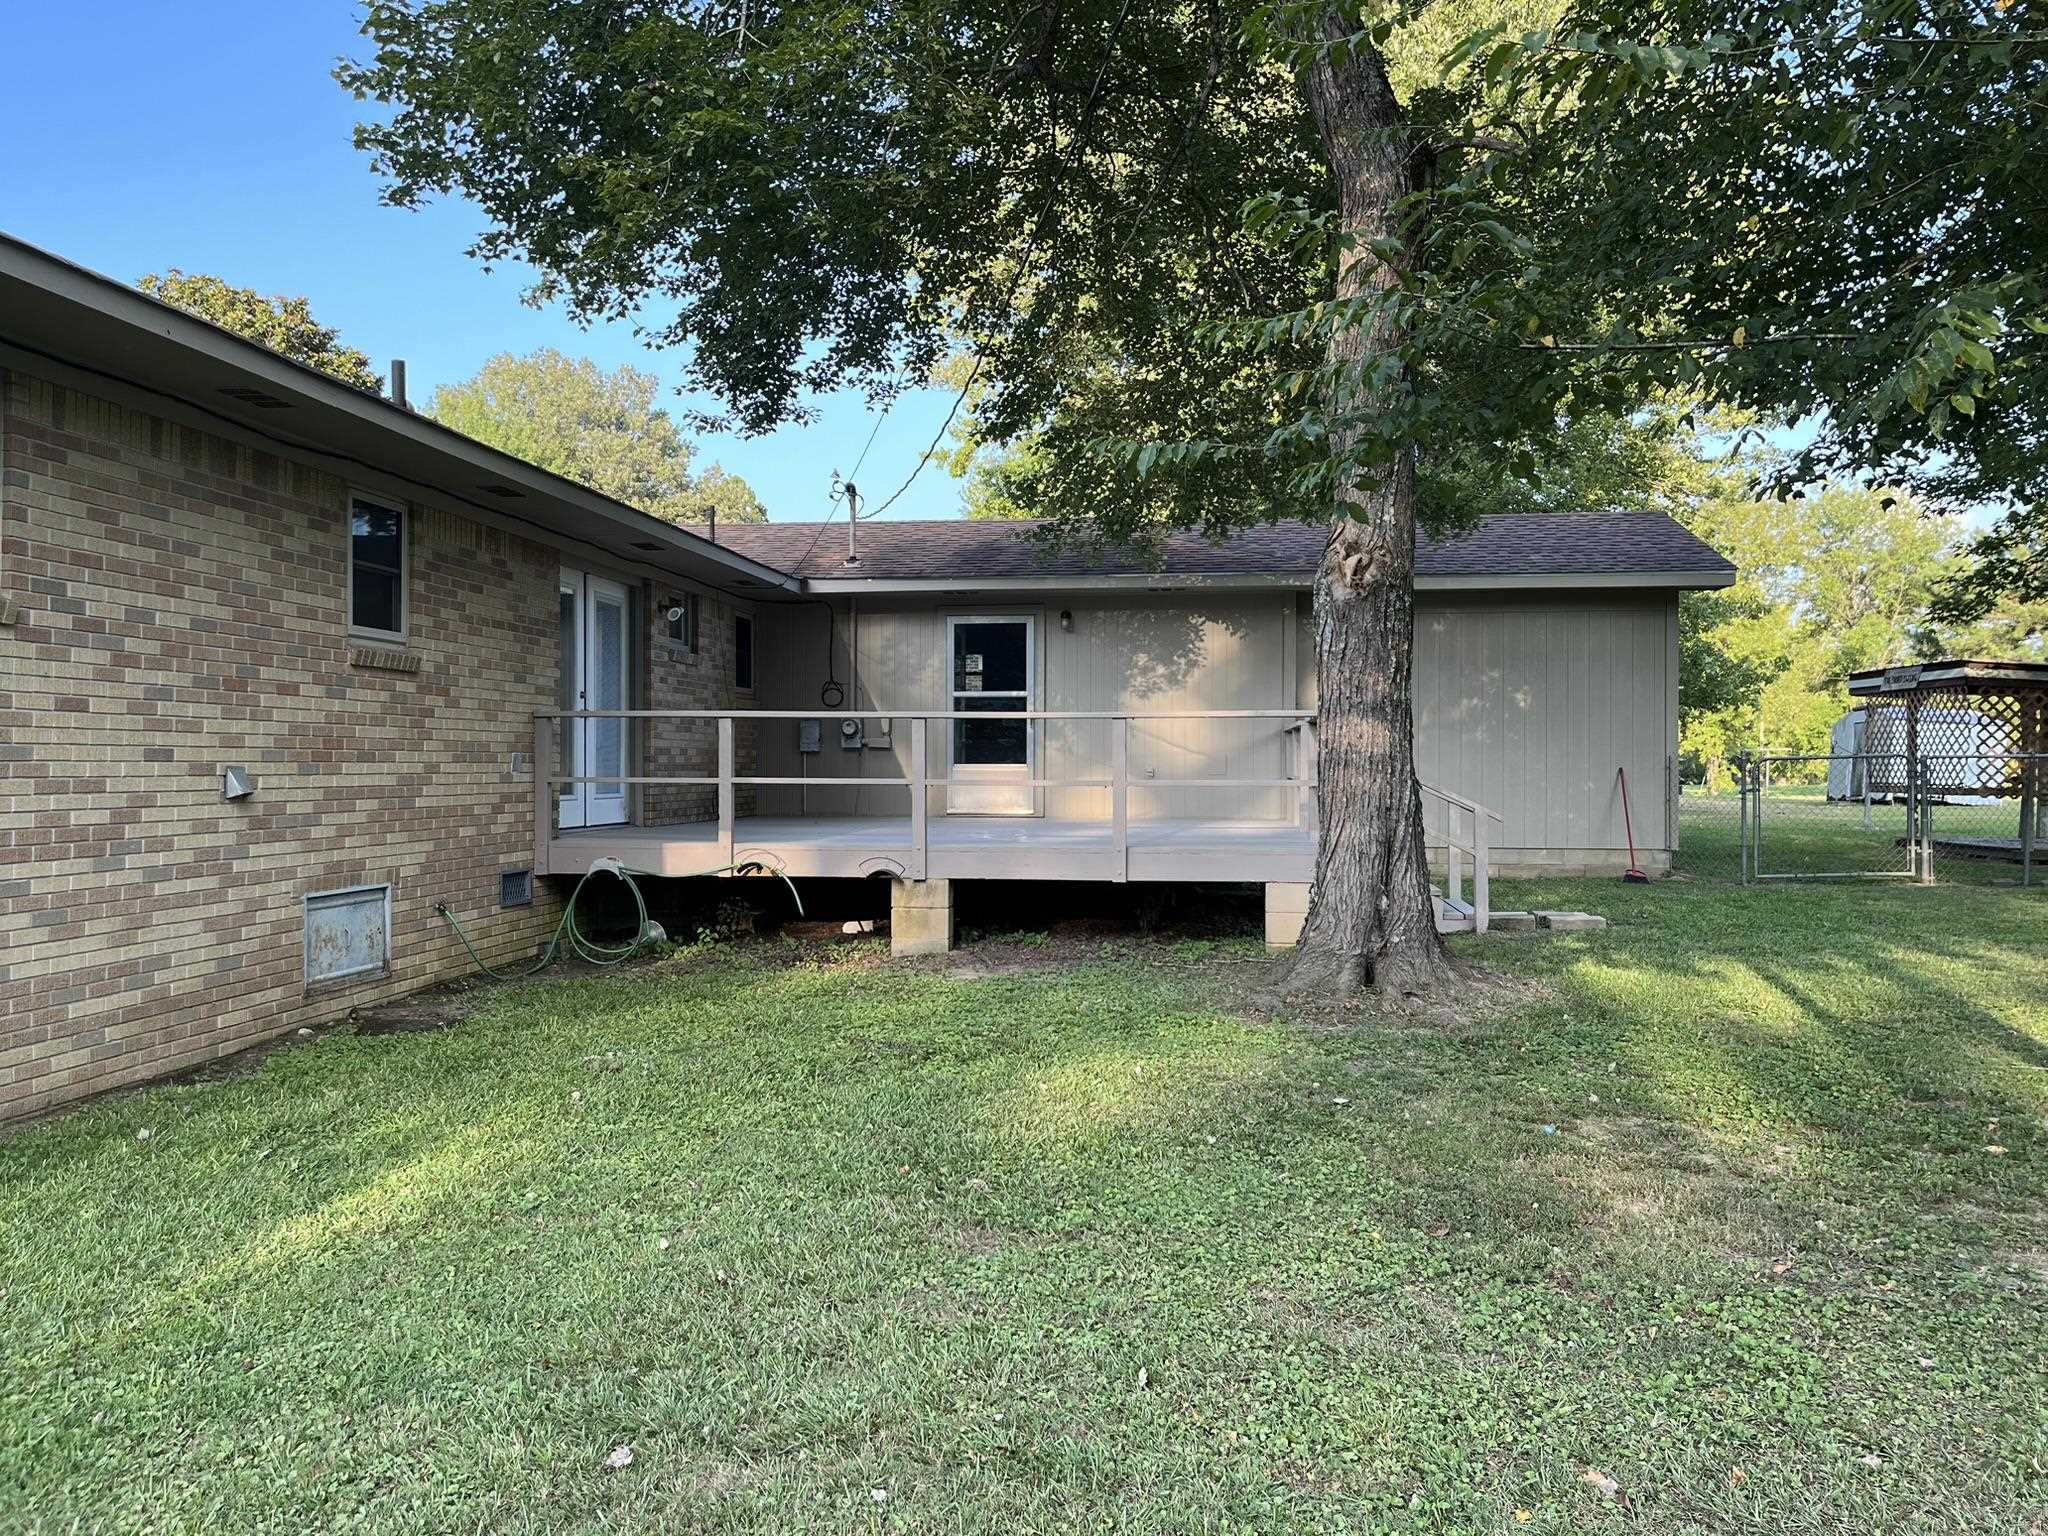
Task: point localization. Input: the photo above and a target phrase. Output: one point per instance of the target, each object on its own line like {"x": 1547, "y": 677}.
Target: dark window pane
{"x": 377, "y": 562}
{"x": 377, "y": 539}
{"x": 743, "y": 652}
{"x": 990, "y": 658}
{"x": 989, "y": 741}
{"x": 373, "y": 600}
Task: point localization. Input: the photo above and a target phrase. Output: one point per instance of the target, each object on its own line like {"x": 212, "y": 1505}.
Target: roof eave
{"x": 59, "y": 284}
{"x": 1258, "y": 581}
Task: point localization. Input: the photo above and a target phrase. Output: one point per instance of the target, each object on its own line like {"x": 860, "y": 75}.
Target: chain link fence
{"x": 1869, "y": 816}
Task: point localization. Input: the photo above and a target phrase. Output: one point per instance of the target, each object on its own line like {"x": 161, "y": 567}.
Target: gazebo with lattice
{"x": 1953, "y": 729}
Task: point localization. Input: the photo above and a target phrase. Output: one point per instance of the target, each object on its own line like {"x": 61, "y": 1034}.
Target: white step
{"x": 1453, "y": 916}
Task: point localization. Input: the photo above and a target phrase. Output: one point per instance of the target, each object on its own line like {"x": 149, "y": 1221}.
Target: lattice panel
{"x": 1968, "y": 743}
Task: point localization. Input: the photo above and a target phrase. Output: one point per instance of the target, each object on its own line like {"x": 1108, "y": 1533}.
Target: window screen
{"x": 376, "y": 592}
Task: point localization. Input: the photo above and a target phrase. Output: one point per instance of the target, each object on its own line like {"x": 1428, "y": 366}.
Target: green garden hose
{"x": 580, "y": 944}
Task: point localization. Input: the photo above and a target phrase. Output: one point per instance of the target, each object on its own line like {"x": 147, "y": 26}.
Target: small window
{"x": 680, "y": 617}
{"x": 742, "y": 653}
{"x": 348, "y": 933}
{"x": 376, "y": 569}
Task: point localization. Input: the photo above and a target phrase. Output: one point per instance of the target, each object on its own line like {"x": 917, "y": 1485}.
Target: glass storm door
{"x": 992, "y": 663}
{"x": 594, "y": 652}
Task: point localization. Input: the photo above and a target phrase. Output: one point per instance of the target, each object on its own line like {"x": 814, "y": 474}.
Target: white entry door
{"x": 594, "y": 652}
{"x": 993, "y": 666}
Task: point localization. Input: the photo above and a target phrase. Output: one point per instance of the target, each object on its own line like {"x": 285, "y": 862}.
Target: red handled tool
{"x": 1632, "y": 875}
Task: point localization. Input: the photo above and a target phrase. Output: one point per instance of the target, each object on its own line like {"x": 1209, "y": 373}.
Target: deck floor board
{"x": 958, "y": 847}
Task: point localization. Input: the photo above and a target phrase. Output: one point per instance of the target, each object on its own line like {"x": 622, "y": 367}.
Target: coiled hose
{"x": 567, "y": 934}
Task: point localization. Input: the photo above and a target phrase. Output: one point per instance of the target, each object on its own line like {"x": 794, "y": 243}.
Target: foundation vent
{"x": 348, "y": 934}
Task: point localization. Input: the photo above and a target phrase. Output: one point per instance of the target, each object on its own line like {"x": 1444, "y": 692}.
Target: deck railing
{"x": 1474, "y": 841}
{"x": 1298, "y": 729}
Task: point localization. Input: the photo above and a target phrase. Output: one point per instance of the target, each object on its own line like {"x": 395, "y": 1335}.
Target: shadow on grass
{"x": 1043, "y": 1245}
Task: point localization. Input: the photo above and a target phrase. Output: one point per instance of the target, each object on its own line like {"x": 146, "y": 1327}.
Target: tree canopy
{"x": 603, "y": 430}
{"x": 283, "y": 324}
{"x": 1818, "y": 209}
{"x": 1218, "y": 265}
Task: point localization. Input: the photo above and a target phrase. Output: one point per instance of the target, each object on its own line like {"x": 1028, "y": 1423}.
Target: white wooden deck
{"x": 956, "y": 848}
{"x": 921, "y": 846}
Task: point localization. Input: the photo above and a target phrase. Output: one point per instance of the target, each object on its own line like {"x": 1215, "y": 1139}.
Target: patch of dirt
{"x": 422, "y": 1013}
{"x": 982, "y": 1241}
{"x": 2032, "y": 1260}
{"x": 979, "y": 1241}
{"x": 439, "y": 1007}
{"x": 1477, "y": 997}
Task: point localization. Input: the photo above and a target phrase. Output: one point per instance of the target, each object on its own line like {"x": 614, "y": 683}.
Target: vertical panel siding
{"x": 1531, "y": 707}
{"x": 1123, "y": 653}
{"x": 1528, "y": 706}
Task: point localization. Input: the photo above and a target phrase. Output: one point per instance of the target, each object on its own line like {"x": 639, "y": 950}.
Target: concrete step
{"x": 1454, "y": 916}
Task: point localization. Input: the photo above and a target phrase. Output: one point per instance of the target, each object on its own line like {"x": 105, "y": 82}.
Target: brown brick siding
{"x": 181, "y": 607}
{"x": 681, "y": 679}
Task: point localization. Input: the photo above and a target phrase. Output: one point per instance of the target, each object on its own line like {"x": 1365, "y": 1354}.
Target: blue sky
{"x": 140, "y": 135}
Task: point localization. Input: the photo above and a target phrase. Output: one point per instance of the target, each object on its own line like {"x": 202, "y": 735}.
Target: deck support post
{"x": 543, "y": 792}
{"x": 1286, "y": 912}
{"x": 919, "y": 775}
{"x": 1307, "y": 769}
{"x": 920, "y": 917}
{"x": 725, "y": 787}
{"x": 1120, "y": 799}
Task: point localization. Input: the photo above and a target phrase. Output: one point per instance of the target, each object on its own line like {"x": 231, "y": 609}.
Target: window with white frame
{"x": 376, "y": 568}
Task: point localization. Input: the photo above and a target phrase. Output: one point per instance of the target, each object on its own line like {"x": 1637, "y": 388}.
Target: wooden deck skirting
{"x": 916, "y": 847}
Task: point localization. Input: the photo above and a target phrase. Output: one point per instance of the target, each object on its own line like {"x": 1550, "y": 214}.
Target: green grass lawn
{"x": 1741, "y": 1204}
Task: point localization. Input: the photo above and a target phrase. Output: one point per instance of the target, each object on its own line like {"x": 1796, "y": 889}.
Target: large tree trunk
{"x": 1371, "y": 918}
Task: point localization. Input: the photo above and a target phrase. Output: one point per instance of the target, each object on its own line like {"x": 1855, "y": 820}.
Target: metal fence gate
{"x": 1869, "y": 816}
{"x": 1796, "y": 825}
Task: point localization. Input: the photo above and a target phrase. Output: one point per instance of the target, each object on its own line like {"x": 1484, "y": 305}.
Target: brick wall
{"x": 177, "y": 604}
{"x": 681, "y": 679}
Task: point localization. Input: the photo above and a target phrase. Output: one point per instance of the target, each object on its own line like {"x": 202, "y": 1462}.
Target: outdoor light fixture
{"x": 1067, "y": 620}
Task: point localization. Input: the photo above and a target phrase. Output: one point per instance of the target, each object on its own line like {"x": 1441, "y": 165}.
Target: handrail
{"x": 1302, "y": 715}
{"x": 1459, "y": 800}
{"x": 1478, "y": 847}
{"x": 1305, "y": 778}
{"x": 919, "y": 781}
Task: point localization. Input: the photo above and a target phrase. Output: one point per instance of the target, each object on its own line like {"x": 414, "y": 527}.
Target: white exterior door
{"x": 992, "y": 667}
{"x": 595, "y": 648}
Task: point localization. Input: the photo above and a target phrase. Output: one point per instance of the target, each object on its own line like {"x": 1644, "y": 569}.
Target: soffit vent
{"x": 501, "y": 490}
{"x": 261, "y": 399}
{"x": 645, "y": 544}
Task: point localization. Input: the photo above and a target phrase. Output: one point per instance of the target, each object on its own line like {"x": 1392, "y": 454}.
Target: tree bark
{"x": 1371, "y": 917}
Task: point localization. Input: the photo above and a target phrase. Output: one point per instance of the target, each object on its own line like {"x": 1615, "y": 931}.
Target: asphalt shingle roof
{"x": 1533, "y": 544}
